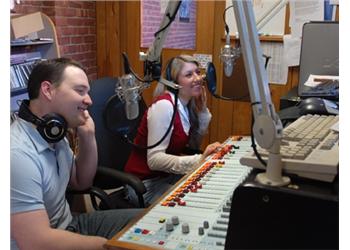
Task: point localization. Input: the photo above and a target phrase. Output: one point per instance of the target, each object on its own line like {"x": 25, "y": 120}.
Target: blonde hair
{"x": 172, "y": 71}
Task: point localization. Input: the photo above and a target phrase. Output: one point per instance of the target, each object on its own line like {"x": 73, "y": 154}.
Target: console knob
{"x": 175, "y": 220}
{"x": 185, "y": 228}
{"x": 169, "y": 226}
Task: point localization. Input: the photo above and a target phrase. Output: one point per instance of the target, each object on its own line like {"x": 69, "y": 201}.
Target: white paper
{"x": 315, "y": 80}
{"x": 277, "y": 70}
{"x": 275, "y": 26}
{"x": 291, "y": 50}
{"x": 302, "y": 11}
{"x": 203, "y": 59}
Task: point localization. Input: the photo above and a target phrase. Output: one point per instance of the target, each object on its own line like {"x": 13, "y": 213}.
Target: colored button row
{"x": 191, "y": 185}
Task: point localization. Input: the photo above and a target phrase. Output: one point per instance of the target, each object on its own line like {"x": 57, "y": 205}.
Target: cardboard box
{"x": 25, "y": 25}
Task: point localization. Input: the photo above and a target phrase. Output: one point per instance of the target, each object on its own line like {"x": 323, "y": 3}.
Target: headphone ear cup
{"x": 53, "y": 128}
{"x": 168, "y": 70}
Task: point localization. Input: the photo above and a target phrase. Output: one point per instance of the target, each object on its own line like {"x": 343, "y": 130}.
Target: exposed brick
{"x": 64, "y": 40}
{"x": 74, "y": 4}
{"x": 76, "y": 39}
{"x": 75, "y": 26}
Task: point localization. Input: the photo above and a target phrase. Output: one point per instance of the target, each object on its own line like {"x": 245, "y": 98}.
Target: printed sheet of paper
{"x": 277, "y": 69}
{"x": 302, "y": 12}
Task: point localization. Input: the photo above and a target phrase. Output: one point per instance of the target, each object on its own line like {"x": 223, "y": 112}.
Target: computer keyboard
{"x": 309, "y": 148}
{"x": 328, "y": 88}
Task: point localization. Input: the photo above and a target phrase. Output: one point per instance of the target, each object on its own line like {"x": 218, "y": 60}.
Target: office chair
{"x": 113, "y": 151}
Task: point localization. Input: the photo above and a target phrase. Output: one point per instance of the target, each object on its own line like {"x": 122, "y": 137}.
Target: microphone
{"x": 127, "y": 89}
{"x": 228, "y": 55}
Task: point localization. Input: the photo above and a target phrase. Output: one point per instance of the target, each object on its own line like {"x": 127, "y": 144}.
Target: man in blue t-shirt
{"x": 43, "y": 164}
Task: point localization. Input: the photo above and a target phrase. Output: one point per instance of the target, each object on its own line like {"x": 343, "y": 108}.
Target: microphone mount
{"x": 152, "y": 69}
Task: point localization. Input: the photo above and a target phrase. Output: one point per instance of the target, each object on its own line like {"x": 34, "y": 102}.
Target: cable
{"x": 257, "y": 154}
{"x": 171, "y": 19}
{"x": 166, "y": 133}
{"x": 224, "y": 17}
{"x": 125, "y": 135}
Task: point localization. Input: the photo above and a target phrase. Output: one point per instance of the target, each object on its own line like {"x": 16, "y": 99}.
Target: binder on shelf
{"x": 25, "y": 57}
{"x": 19, "y": 76}
{"x": 33, "y": 39}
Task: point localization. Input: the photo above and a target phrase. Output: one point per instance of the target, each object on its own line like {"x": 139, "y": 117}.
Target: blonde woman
{"x": 160, "y": 167}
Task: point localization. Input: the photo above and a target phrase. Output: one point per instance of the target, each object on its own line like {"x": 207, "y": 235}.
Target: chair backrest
{"x": 113, "y": 151}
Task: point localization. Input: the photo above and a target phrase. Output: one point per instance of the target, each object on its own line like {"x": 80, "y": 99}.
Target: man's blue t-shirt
{"x": 40, "y": 173}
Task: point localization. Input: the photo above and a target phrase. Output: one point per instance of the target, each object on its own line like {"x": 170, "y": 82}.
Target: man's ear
{"x": 46, "y": 89}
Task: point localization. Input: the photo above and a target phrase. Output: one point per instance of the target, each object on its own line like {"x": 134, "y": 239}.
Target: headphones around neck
{"x": 52, "y": 127}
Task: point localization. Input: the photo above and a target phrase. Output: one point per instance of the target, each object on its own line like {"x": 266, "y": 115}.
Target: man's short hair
{"x": 51, "y": 70}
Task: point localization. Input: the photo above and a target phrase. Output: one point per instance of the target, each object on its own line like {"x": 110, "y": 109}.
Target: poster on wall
{"x": 182, "y": 33}
{"x": 184, "y": 11}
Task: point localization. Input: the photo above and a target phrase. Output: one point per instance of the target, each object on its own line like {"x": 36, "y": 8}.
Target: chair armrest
{"x": 93, "y": 192}
{"x": 124, "y": 178}
{"x": 102, "y": 195}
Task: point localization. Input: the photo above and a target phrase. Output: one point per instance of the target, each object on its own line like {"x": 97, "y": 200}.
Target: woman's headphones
{"x": 168, "y": 69}
{"x": 52, "y": 127}
{"x": 168, "y": 74}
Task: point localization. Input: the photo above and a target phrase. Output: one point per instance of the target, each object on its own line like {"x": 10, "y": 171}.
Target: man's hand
{"x": 88, "y": 128}
{"x": 85, "y": 165}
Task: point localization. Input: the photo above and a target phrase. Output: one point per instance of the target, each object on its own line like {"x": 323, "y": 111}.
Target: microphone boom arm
{"x": 267, "y": 128}
{"x": 153, "y": 56}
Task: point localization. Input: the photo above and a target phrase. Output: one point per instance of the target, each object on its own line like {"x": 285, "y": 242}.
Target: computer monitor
{"x": 319, "y": 53}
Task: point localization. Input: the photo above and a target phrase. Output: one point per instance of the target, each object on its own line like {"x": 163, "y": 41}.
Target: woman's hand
{"x": 211, "y": 148}
{"x": 201, "y": 100}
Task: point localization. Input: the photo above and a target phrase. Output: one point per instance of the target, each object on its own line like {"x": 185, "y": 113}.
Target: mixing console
{"x": 195, "y": 214}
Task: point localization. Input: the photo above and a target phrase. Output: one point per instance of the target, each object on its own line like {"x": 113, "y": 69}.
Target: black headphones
{"x": 168, "y": 74}
{"x": 168, "y": 70}
{"x": 52, "y": 127}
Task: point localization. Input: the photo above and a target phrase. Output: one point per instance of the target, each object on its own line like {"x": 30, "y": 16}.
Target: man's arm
{"x": 85, "y": 165}
{"x": 32, "y": 230}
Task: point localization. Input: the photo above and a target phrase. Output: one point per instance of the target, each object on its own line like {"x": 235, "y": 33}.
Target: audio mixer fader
{"x": 195, "y": 214}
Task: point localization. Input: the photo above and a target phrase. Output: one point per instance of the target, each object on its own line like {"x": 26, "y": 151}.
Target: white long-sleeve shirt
{"x": 158, "y": 120}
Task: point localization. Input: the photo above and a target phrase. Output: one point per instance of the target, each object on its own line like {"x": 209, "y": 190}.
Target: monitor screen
{"x": 319, "y": 51}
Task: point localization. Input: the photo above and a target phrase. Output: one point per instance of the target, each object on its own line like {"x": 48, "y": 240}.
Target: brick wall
{"x": 182, "y": 35}
{"x": 75, "y": 23}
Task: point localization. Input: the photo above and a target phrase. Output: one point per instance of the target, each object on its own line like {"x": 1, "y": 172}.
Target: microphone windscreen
{"x": 228, "y": 68}
{"x": 131, "y": 110}
{"x": 211, "y": 78}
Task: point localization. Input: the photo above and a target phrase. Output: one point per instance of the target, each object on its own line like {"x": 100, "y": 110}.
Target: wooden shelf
{"x": 47, "y": 48}
{"x": 18, "y": 91}
{"x": 30, "y": 43}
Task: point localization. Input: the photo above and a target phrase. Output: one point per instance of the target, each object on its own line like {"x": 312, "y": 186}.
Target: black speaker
{"x": 305, "y": 217}
{"x": 52, "y": 127}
